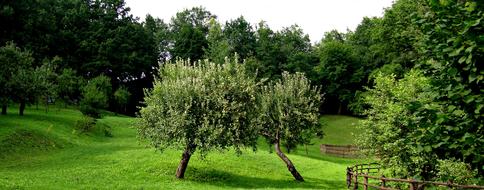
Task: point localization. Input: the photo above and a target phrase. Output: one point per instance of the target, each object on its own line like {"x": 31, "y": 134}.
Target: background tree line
{"x": 100, "y": 37}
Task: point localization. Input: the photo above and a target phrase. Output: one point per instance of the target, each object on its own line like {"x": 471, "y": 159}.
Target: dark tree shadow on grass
{"x": 226, "y": 179}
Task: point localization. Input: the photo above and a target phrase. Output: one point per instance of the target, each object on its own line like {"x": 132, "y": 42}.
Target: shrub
{"x": 105, "y": 130}
{"x": 122, "y": 96}
{"x": 455, "y": 171}
{"x": 393, "y": 131}
{"x": 85, "y": 124}
{"x": 95, "y": 96}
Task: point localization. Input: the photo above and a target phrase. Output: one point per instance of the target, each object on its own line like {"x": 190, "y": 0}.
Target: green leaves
{"x": 289, "y": 110}
{"x": 122, "y": 95}
{"x": 207, "y": 105}
{"x": 391, "y": 118}
{"x": 438, "y": 116}
{"x": 95, "y": 96}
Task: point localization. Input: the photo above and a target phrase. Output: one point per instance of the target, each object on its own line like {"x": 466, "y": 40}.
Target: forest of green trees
{"x": 415, "y": 74}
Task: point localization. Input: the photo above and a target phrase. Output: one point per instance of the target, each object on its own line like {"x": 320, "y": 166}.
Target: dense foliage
{"x": 202, "y": 107}
{"x": 289, "y": 114}
{"x": 16, "y": 76}
{"x": 392, "y": 128}
{"x": 122, "y": 95}
{"x": 454, "y": 62}
{"x": 431, "y": 121}
{"x": 89, "y": 37}
{"x": 95, "y": 96}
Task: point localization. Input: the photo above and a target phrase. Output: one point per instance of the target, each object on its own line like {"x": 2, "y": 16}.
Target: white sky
{"x": 314, "y": 16}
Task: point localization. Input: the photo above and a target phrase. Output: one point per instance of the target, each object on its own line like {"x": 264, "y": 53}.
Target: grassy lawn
{"x": 339, "y": 129}
{"x": 40, "y": 151}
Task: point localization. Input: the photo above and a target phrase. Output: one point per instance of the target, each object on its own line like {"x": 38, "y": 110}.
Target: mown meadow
{"x": 43, "y": 151}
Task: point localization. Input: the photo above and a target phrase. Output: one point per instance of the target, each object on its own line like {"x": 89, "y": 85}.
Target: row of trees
{"x": 84, "y": 39}
{"x": 101, "y": 37}
{"x": 208, "y": 106}
{"x": 25, "y": 84}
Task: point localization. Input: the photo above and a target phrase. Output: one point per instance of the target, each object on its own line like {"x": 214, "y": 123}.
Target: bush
{"x": 85, "y": 124}
{"x": 105, "y": 130}
{"x": 122, "y": 96}
{"x": 455, "y": 171}
{"x": 394, "y": 132}
{"x": 95, "y": 96}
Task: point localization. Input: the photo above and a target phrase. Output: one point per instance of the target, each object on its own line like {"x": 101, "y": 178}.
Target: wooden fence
{"x": 356, "y": 173}
{"x": 345, "y": 151}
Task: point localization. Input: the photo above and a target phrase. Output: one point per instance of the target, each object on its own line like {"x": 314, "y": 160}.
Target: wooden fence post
{"x": 449, "y": 184}
{"x": 365, "y": 182}
{"x": 383, "y": 181}
{"x": 413, "y": 185}
{"x": 356, "y": 182}
{"x": 348, "y": 177}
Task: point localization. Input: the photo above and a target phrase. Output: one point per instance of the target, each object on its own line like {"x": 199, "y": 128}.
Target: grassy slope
{"x": 339, "y": 129}
{"x": 121, "y": 162}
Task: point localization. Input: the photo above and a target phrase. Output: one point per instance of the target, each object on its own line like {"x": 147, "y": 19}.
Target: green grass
{"x": 66, "y": 160}
{"x": 339, "y": 130}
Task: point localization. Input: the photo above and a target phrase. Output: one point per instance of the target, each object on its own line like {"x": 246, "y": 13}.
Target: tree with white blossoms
{"x": 200, "y": 106}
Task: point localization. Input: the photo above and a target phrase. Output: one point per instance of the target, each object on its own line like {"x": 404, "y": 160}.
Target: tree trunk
{"x": 21, "y": 108}
{"x": 4, "y": 109}
{"x": 182, "y": 167}
{"x": 288, "y": 162}
{"x": 340, "y": 108}
{"x": 46, "y": 104}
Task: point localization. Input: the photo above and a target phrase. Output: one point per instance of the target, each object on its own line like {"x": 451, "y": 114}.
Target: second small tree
{"x": 289, "y": 114}
{"x": 95, "y": 96}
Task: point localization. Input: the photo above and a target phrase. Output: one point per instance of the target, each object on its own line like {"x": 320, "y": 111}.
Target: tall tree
{"x": 160, "y": 32}
{"x": 189, "y": 29}
{"x": 340, "y": 73}
{"x": 452, "y": 56}
{"x": 218, "y": 46}
{"x": 296, "y": 51}
{"x": 46, "y": 79}
{"x": 267, "y": 52}
{"x": 241, "y": 37}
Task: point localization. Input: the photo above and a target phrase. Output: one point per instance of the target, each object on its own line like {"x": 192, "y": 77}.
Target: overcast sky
{"x": 314, "y": 16}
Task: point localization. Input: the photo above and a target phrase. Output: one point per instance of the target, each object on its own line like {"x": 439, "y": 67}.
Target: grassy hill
{"x": 339, "y": 129}
{"x": 41, "y": 151}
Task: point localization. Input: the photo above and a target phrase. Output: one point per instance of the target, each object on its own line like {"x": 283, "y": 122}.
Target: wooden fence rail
{"x": 364, "y": 170}
{"x": 345, "y": 151}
